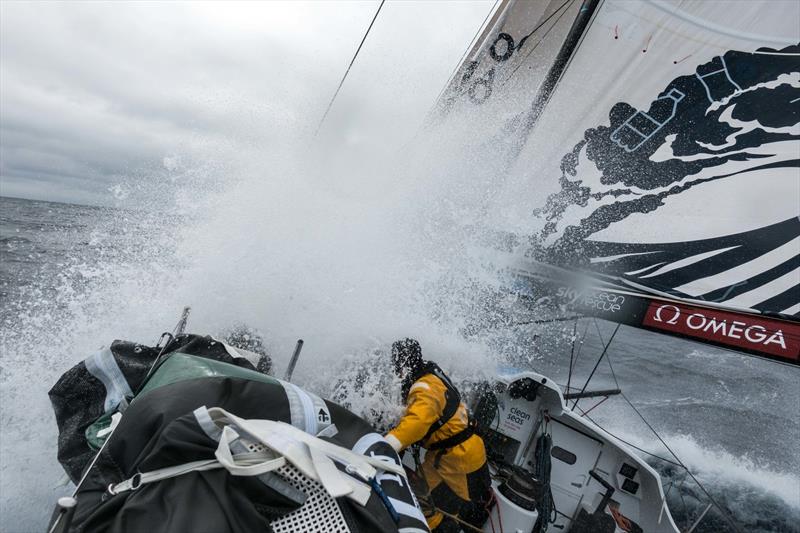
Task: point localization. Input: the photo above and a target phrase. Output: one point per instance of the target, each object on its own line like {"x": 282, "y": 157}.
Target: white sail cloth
{"x": 273, "y": 445}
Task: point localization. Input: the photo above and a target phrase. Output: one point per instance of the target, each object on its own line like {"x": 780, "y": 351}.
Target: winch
{"x": 522, "y": 488}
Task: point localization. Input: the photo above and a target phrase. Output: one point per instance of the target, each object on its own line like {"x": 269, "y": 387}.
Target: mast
{"x": 519, "y": 33}
{"x": 571, "y": 43}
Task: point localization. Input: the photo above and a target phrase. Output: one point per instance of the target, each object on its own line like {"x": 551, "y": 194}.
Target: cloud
{"x": 95, "y": 93}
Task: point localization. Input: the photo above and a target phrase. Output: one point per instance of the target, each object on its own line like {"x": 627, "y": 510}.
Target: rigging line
{"x": 545, "y": 20}
{"x": 330, "y": 105}
{"x": 683, "y": 499}
{"x": 427, "y": 119}
{"x": 608, "y": 359}
{"x": 686, "y": 511}
{"x": 572, "y": 352}
{"x": 596, "y": 365}
{"x": 631, "y": 444}
{"x": 704, "y": 342}
{"x": 599, "y": 334}
{"x": 570, "y": 2}
{"x": 564, "y": 385}
{"x": 722, "y": 511}
{"x": 546, "y": 320}
{"x": 581, "y": 344}
{"x": 537, "y": 28}
{"x": 594, "y": 406}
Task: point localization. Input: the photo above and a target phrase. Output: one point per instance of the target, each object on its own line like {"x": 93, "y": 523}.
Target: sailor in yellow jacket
{"x": 455, "y": 461}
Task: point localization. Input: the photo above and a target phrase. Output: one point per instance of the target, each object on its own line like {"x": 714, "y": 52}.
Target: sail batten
{"x": 688, "y": 261}
{"x": 795, "y": 309}
{"x": 707, "y": 25}
{"x": 775, "y": 258}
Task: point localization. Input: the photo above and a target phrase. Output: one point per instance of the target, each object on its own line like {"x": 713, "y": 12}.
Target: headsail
{"x": 510, "y": 57}
{"x": 667, "y": 160}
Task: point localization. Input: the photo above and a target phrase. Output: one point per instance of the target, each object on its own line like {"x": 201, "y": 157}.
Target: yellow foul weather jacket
{"x": 426, "y": 405}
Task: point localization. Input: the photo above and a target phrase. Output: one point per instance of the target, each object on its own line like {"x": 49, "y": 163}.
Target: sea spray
{"x": 267, "y": 239}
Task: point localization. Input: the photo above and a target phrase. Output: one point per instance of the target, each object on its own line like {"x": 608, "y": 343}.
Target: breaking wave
{"x": 759, "y": 498}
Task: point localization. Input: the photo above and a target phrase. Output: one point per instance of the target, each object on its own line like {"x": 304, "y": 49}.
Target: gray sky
{"x": 95, "y": 94}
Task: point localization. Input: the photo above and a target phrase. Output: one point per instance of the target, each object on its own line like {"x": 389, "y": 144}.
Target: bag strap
{"x": 262, "y": 462}
{"x": 283, "y": 443}
{"x": 137, "y": 480}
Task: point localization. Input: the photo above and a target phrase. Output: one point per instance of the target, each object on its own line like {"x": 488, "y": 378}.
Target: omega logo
{"x": 714, "y": 326}
{"x": 676, "y": 313}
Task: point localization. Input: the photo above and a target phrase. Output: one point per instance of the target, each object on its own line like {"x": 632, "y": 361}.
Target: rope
{"x": 580, "y": 345}
{"x": 608, "y": 359}
{"x": 428, "y": 498}
{"x": 534, "y": 30}
{"x": 631, "y": 444}
{"x": 562, "y": 6}
{"x": 330, "y": 105}
{"x": 683, "y": 500}
{"x": 519, "y": 45}
{"x": 547, "y": 320}
{"x": 597, "y": 364}
{"x": 594, "y": 406}
{"x": 572, "y": 353}
{"x": 459, "y": 520}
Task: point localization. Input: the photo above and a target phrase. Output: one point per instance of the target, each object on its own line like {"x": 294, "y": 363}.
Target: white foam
{"x": 715, "y": 466}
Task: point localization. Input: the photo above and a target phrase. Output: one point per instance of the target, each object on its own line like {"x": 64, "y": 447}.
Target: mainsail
{"x": 660, "y": 148}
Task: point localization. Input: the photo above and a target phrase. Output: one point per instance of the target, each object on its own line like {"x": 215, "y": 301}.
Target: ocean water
{"x": 73, "y": 278}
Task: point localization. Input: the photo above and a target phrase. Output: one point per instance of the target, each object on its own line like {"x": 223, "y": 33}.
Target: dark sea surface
{"x": 733, "y": 420}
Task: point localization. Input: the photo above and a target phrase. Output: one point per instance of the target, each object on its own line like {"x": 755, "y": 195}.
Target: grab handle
{"x": 609, "y": 491}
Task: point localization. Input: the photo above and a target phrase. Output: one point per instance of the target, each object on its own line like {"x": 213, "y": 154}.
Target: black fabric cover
{"x": 78, "y": 397}
{"x": 159, "y": 430}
